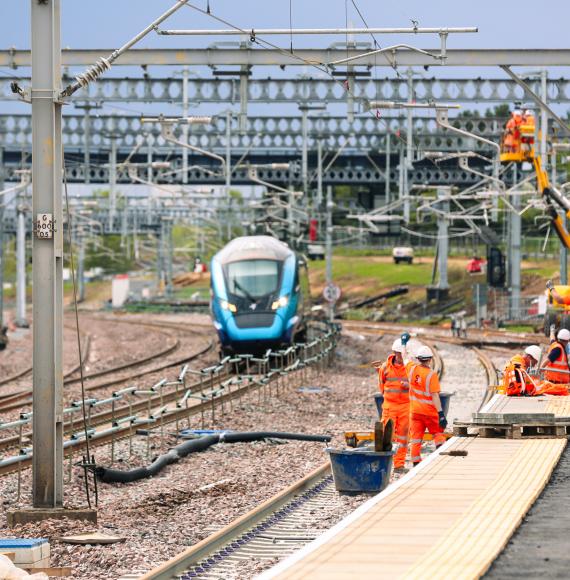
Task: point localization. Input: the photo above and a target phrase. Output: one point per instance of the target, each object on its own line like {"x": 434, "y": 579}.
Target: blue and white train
{"x": 260, "y": 295}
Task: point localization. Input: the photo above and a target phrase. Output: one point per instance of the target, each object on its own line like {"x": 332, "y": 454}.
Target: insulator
{"x": 94, "y": 72}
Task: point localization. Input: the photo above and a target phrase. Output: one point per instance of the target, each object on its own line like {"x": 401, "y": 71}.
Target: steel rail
{"x": 7, "y": 400}
{"x": 235, "y": 531}
{"x": 27, "y": 370}
{"x": 8, "y": 404}
{"x": 122, "y": 411}
{"x": 254, "y": 534}
{"x": 117, "y": 432}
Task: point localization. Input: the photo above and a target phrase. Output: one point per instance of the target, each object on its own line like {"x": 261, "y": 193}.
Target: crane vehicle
{"x": 518, "y": 146}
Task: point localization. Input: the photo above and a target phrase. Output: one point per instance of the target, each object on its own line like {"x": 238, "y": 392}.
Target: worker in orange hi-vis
{"x": 426, "y": 412}
{"x": 556, "y": 365}
{"x": 393, "y": 384}
{"x": 512, "y": 138}
{"x": 517, "y": 381}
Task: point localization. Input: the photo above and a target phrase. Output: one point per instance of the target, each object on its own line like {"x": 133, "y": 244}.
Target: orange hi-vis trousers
{"x": 400, "y": 414}
{"x": 418, "y": 425}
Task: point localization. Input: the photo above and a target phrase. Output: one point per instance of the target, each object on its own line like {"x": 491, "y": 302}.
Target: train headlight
{"x": 280, "y": 303}
{"x": 228, "y": 306}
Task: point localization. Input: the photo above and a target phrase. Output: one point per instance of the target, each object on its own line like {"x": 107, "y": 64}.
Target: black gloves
{"x": 442, "y": 420}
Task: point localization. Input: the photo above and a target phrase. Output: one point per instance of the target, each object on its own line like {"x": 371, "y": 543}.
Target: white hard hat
{"x": 424, "y": 352}
{"x": 563, "y": 334}
{"x": 397, "y": 346}
{"x": 528, "y": 112}
{"x": 517, "y": 112}
{"x": 534, "y": 351}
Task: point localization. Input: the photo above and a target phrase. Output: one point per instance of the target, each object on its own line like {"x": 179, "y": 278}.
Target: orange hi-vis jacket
{"x": 553, "y": 369}
{"x": 423, "y": 382}
{"x": 393, "y": 383}
{"x": 516, "y": 381}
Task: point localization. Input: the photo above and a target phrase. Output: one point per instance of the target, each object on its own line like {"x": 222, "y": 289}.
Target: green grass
{"x": 187, "y": 292}
{"x": 544, "y": 272}
{"x": 522, "y": 328}
{"x": 374, "y": 276}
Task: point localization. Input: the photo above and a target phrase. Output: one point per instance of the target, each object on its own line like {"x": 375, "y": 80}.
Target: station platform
{"x": 450, "y": 517}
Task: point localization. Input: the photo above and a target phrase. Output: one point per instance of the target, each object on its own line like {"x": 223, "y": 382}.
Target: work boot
{"x": 388, "y": 433}
{"x": 401, "y": 470}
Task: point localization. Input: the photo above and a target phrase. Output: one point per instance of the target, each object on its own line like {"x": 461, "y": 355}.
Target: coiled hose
{"x": 108, "y": 475}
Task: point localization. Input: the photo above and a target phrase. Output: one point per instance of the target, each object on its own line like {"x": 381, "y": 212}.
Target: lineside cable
{"x": 90, "y": 459}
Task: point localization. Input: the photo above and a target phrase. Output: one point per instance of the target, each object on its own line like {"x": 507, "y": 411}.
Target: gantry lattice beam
{"x": 348, "y": 169}
{"x": 261, "y": 57}
{"x": 264, "y": 133}
{"x": 298, "y": 90}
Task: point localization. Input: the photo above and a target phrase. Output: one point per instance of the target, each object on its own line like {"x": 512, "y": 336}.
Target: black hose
{"x": 194, "y": 446}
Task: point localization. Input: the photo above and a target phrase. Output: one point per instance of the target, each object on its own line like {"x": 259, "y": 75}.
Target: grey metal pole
{"x": 21, "y": 320}
{"x": 409, "y": 144}
{"x": 443, "y": 241}
{"x": 243, "y": 95}
{"x": 515, "y": 253}
{"x": 387, "y": 170}
{"x": 113, "y": 181}
{"x": 47, "y": 254}
{"x": 185, "y": 126}
{"x": 328, "y": 248}
{"x": 81, "y": 266}
{"x": 149, "y": 144}
{"x": 159, "y": 257}
{"x": 169, "y": 256}
{"x": 319, "y": 174}
{"x": 401, "y": 169}
{"x": 86, "y": 140}
{"x": 228, "y": 170}
{"x": 305, "y": 154}
{"x": 543, "y": 115}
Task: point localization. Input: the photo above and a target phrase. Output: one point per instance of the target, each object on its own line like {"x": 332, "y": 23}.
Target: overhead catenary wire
{"x": 256, "y": 39}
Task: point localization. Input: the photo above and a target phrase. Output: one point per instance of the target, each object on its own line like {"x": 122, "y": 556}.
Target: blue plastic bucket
{"x": 360, "y": 470}
{"x": 444, "y": 397}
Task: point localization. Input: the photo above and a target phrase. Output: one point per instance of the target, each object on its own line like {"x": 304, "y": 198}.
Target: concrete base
{"x": 28, "y": 515}
{"x": 437, "y": 294}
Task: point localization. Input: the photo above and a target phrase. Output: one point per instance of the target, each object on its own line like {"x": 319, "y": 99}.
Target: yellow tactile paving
{"x": 448, "y": 521}
{"x": 560, "y": 406}
{"x": 470, "y": 546}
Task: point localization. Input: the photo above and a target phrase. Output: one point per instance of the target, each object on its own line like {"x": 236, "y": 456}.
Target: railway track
{"x": 272, "y": 531}
{"x": 86, "y": 341}
{"x": 24, "y": 398}
{"x": 207, "y": 395}
{"x": 476, "y": 337}
{"x": 119, "y": 412}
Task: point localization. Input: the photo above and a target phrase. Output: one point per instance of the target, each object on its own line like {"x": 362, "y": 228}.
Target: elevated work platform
{"x": 448, "y": 518}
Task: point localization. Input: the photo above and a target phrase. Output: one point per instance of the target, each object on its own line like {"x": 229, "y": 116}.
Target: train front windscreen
{"x": 253, "y": 282}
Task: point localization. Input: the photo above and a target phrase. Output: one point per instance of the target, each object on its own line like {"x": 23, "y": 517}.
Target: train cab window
{"x": 253, "y": 278}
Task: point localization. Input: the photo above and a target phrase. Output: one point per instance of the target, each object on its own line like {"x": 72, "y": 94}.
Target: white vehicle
{"x": 315, "y": 252}
{"x": 403, "y": 254}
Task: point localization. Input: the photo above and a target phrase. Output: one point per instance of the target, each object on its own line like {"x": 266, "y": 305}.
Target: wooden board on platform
{"x": 448, "y": 519}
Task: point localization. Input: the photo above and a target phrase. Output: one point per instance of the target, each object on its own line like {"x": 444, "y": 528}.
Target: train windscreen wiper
{"x": 238, "y": 286}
